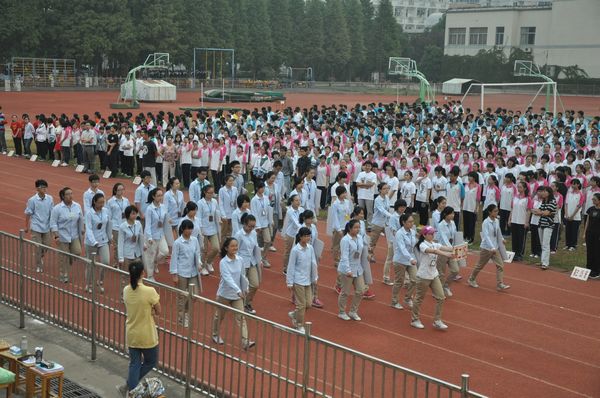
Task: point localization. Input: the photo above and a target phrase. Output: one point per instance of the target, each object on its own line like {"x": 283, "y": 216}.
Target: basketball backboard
{"x": 526, "y": 68}
{"x": 401, "y": 66}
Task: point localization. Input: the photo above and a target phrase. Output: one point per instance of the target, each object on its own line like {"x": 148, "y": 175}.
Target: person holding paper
{"x": 445, "y": 236}
{"x": 491, "y": 243}
{"x": 352, "y": 269}
{"x": 428, "y": 277}
{"x": 404, "y": 260}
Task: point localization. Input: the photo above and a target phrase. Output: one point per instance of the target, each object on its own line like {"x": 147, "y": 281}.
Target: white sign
{"x": 79, "y": 168}
{"x": 580, "y": 273}
{"x": 11, "y": 153}
{"x": 55, "y": 163}
{"x": 33, "y": 158}
{"x": 137, "y": 180}
{"x": 107, "y": 174}
{"x": 509, "y": 257}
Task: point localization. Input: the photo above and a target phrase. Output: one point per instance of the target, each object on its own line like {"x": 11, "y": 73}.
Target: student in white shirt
{"x": 340, "y": 215}
{"x": 308, "y": 219}
{"x": 491, "y": 240}
{"x": 174, "y": 205}
{"x": 574, "y": 201}
{"x": 352, "y": 271}
{"x": 428, "y": 277}
{"x": 291, "y": 227}
{"x": 408, "y": 191}
{"x": 422, "y": 196}
{"x": 404, "y": 260}
{"x": 262, "y": 210}
{"x": 518, "y": 220}
{"x": 391, "y": 178}
{"x": 381, "y": 216}
{"x": 507, "y": 193}
{"x": 37, "y": 220}
{"x": 227, "y": 204}
{"x": 141, "y": 193}
{"x": 301, "y": 275}
{"x": 455, "y": 194}
{"x": 91, "y": 191}
{"x": 445, "y": 232}
{"x": 366, "y": 183}
{"x": 130, "y": 240}
{"x": 210, "y": 216}
{"x": 392, "y": 227}
{"x": 98, "y": 235}
{"x": 249, "y": 252}
{"x": 116, "y": 207}
{"x": 155, "y": 243}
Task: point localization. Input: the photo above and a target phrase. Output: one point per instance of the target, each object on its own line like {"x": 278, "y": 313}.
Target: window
{"x": 398, "y": 11}
{"x": 478, "y": 36}
{"x": 528, "y": 36}
{"x": 421, "y": 12}
{"x": 456, "y": 36}
{"x": 500, "y": 35}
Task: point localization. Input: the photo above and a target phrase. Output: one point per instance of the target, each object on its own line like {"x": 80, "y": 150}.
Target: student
{"x": 238, "y": 178}
{"x": 232, "y": 290}
{"x": 440, "y": 204}
{"x": 404, "y": 260}
{"x": 291, "y": 227}
{"x": 262, "y": 210}
{"x": 471, "y": 206}
{"x": 91, "y": 192}
{"x": 423, "y": 195}
{"x": 155, "y": 243}
{"x": 67, "y": 226}
{"x": 507, "y": 193}
{"x": 455, "y": 194}
{"x": 391, "y": 229}
{"x": 190, "y": 213}
{"x": 301, "y": 275}
{"x": 210, "y": 216}
{"x": 310, "y": 190}
{"x": 518, "y": 220}
{"x": 446, "y": 230}
{"x": 491, "y": 240}
{"x": 243, "y": 207}
{"x": 273, "y": 193}
{"x": 381, "y": 216}
{"x": 546, "y": 212}
{"x": 130, "y": 240}
{"x": 37, "y": 220}
{"x": 98, "y": 235}
{"x": 340, "y": 215}
{"x": 227, "y": 205}
{"x": 439, "y": 183}
{"x": 174, "y": 205}
{"x": 573, "y": 205}
{"x": 197, "y": 186}
{"x": 491, "y": 192}
{"x": 408, "y": 191}
{"x": 249, "y": 252}
{"x": 558, "y": 218}
{"x": 184, "y": 267}
{"x": 352, "y": 271}
{"x": 141, "y": 193}
{"x": 534, "y": 223}
{"x": 116, "y": 206}
{"x": 307, "y": 220}
{"x": 428, "y": 277}
{"x": 366, "y": 182}
{"x": 591, "y": 232}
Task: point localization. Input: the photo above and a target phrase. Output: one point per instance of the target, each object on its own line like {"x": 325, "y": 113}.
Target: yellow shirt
{"x": 140, "y": 329}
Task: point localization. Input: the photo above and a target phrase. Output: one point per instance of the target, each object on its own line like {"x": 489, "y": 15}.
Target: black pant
{"x": 158, "y": 169}
{"x": 138, "y": 165}
{"x": 504, "y": 214}
{"x": 127, "y": 165}
{"x": 41, "y": 148}
{"x": 571, "y": 232}
{"x": 423, "y": 210}
{"x": 457, "y": 220}
{"x": 78, "y": 148}
{"x": 518, "y": 239}
{"x": 323, "y": 201}
{"x": 113, "y": 163}
{"x": 185, "y": 171}
{"x": 18, "y": 145}
{"x": 66, "y": 154}
{"x": 555, "y": 236}
{"x": 103, "y": 160}
{"x": 51, "y": 150}
{"x": 470, "y": 219}
{"x": 592, "y": 246}
{"x": 536, "y": 245}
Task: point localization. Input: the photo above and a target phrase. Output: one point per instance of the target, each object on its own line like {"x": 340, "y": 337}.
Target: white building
{"x": 562, "y": 32}
{"x": 412, "y": 14}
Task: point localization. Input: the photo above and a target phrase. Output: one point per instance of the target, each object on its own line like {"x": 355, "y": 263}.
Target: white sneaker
{"x": 387, "y": 281}
{"x": 448, "y": 292}
{"x": 344, "y": 316}
{"x": 292, "y": 315}
{"x": 472, "y": 283}
{"x": 272, "y": 249}
{"x": 440, "y": 325}
{"x": 204, "y": 272}
{"x": 63, "y": 164}
{"x": 408, "y": 303}
{"x": 417, "y": 324}
{"x": 301, "y": 329}
{"x": 38, "y": 269}
{"x": 354, "y": 316}
{"x": 210, "y": 268}
{"x": 186, "y": 321}
{"x": 397, "y": 306}
{"x": 502, "y": 286}
{"x": 218, "y": 340}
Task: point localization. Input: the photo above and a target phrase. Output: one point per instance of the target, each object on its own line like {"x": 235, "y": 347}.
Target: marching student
{"x": 291, "y": 227}
{"x": 428, "y": 277}
{"x": 116, "y": 206}
{"x": 130, "y": 239}
{"x": 243, "y": 207}
{"x": 190, "y": 212}
{"x": 37, "y": 220}
{"x": 471, "y": 206}
{"x": 227, "y": 205}
{"x": 91, "y": 191}
{"x": 445, "y": 236}
{"x": 408, "y": 191}
{"x": 141, "y": 193}
{"x": 340, "y": 215}
{"x": 546, "y": 212}
{"x": 518, "y": 219}
{"x": 262, "y": 210}
{"x": 233, "y": 287}
{"x": 301, "y": 275}
{"x": 197, "y": 186}
{"x": 352, "y": 270}
{"x": 440, "y": 204}
{"x": 210, "y": 216}
{"x": 307, "y": 220}
{"x": 185, "y": 266}
{"x": 423, "y": 195}
{"x": 381, "y": 216}
{"x": 98, "y": 235}
{"x": 391, "y": 229}
{"x": 573, "y": 205}
{"x": 174, "y": 205}
{"x": 491, "y": 242}
{"x": 404, "y": 260}
{"x": 155, "y": 243}
{"x": 249, "y": 252}
{"x": 67, "y": 226}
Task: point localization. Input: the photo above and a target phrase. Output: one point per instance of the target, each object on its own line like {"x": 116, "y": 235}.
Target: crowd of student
{"x": 375, "y": 168}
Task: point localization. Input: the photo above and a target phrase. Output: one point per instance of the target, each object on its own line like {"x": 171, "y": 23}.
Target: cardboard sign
{"x": 11, "y": 153}
{"x": 33, "y": 158}
{"x": 55, "y": 163}
{"x": 79, "y": 168}
{"x": 137, "y": 180}
{"x": 509, "y": 257}
{"x": 460, "y": 251}
{"x": 107, "y": 174}
{"x": 580, "y": 273}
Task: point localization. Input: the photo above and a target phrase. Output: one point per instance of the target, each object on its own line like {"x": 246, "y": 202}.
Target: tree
{"x": 337, "y": 37}
{"x": 21, "y": 29}
{"x": 388, "y": 37}
{"x": 431, "y": 63}
{"x": 280, "y": 22}
{"x": 356, "y": 26}
{"x": 259, "y": 34}
{"x": 311, "y": 39}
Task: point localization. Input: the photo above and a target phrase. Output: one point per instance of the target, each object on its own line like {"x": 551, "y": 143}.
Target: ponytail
{"x": 304, "y": 231}
{"x": 135, "y": 273}
{"x": 349, "y": 226}
{"x": 306, "y": 214}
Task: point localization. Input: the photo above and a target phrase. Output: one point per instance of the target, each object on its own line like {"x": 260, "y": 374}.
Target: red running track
{"x": 538, "y": 339}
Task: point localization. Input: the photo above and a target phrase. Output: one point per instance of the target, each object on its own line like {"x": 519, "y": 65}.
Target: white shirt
{"x": 427, "y": 261}
{"x": 365, "y": 178}
{"x": 394, "y": 184}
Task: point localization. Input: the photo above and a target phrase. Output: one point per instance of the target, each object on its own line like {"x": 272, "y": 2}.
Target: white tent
{"x": 457, "y": 86}
{"x": 149, "y": 90}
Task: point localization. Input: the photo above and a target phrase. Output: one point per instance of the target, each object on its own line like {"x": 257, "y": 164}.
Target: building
{"x": 562, "y": 32}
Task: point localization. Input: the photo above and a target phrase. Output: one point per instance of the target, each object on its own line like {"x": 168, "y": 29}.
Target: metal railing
{"x": 284, "y": 362}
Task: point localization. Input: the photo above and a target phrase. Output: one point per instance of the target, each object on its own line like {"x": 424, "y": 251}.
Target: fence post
{"x": 92, "y": 265}
{"x": 21, "y": 279}
{"x": 464, "y": 387}
{"x": 188, "y": 366}
{"x": 306, "y": 364}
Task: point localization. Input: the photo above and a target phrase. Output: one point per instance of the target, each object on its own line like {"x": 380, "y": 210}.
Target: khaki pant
{"x": 209, "y": 255}
{"x": 388, "y": 260}
{"x": 315, "y": 291}
{"x": 359, "y": 288}
{"x": 154, "y": 253}
{"x": 263, "y": 236}
{"x": 253, "y": 283}
{"x": 335, "y": 240}
{"x": 287, "y": 248}
{"x": 44, "y": 239}
{"x": 183, "y": 284}
{"x": 376, "y": 231}
{"x": 438, "y": 295}
{"x": 238, "y": 304}
{"x": 484, "y": 257}
{"x": 65, "y": 262}
{"x": 102, "y": 256}
{"x": 443, "y": 264}
{"x": 399, "y": 274}
{"x": 225, "y": 228}
{"x": 115, "y": 245}
{"x": 303, "y": 296}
